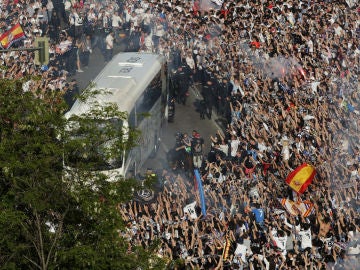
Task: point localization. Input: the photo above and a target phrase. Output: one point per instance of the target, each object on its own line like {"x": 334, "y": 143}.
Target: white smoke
{"x": 206, "y": 5}
{"x": 273, "y": 67}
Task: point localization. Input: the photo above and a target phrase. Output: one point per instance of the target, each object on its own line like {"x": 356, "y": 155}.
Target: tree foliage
{"x": 49, "y": 218}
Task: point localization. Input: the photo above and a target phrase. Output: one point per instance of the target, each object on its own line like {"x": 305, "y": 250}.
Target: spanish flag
{"x": 16, "y": 33}
{"x": 300, "y": 178}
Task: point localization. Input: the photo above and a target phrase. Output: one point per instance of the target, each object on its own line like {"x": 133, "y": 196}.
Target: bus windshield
{"x": 95, "y": 145}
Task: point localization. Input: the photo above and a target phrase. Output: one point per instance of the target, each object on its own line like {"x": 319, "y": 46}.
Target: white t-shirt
{"x": 91, "y": 16}
{"x": 149, "y": 44}
{"x": 299, "y": 146}
{"x": 314, "y": 86}
{"x": 127, "y": 15}
{"x": 109, "y": 42}
{"x": 190, "y": 61}
{"x": 50, "y": 6}
{"x": 305, "y": 237}
{"x": 67, "y": 5}
{"x": 116, "y": 21}
{"x": 237, "y": 88}
{"x": 280, "y": 242}
{"x": 262, "y": 147}
{"x": 285, "y": 153}
{"x": 134, "y": 19}
{"x": 234, "y": 147}
{"x": 291, "y": 18}
{"x": 140, "y": 11}
{"x": 338, "y": 31}
{"x": 147, "y": 18}
{"x": 74, "y": 19}
{"x": 224, "y": 148}
{"x": 159, "y": 30}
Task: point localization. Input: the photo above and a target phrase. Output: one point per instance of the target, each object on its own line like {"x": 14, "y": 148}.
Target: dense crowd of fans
{"x": 284, "y": 74}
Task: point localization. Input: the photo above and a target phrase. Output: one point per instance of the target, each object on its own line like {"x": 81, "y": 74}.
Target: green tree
{"x": 51, "y": 218}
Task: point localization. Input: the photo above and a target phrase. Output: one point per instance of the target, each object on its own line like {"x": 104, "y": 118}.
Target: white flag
{"x": 241, "y": 251}
{"x": 190, "y": 210}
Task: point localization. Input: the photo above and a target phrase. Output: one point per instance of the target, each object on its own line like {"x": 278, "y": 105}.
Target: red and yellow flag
{"x": 300, "y": 178}
{"x": 16, "y": 33}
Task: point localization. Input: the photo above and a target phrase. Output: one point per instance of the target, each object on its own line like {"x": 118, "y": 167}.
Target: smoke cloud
{"x": 273, "y": 67}
{"x": 206, "y": 5}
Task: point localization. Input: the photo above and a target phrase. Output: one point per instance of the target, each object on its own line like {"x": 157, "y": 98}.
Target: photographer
{"x": 184, "y": 152}
{"x": 197, "y": 146}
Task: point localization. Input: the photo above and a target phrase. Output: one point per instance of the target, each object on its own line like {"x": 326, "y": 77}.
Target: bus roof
{"x": 126, "y": 76}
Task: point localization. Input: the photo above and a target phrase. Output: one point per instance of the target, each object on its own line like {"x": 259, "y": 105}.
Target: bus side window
{"x": 148, "y": 99}
{"x": 152, "y": 93}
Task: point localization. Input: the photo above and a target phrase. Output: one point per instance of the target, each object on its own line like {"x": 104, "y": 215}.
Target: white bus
{"x": 137, "y": 83}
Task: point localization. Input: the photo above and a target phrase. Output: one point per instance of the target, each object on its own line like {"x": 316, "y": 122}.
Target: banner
{"x": 201, "y": 192}
{"x": 303, "y": 208}
{"x": 300, "y": 178}
{"x": 226, "y": 249}
{"x": 190, "y": 210}
{"x": 9, "y": 37}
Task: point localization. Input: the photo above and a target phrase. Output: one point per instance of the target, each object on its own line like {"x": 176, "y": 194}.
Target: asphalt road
{"x": 186, "y": 117}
